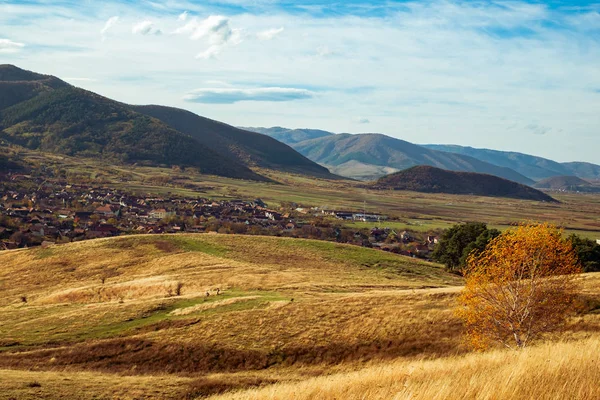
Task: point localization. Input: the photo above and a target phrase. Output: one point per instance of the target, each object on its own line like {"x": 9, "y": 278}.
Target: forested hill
{"x": 435, "y": 180}
{"x": 76, "y": 122}
{"x": 42, "y": 112}
{"x": 251, "y": 148}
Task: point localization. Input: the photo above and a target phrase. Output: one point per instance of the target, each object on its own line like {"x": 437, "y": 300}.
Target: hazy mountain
{"x": 583, "y": 169}
{"x": 44, "y": 113}
{"x": 533, "y": 167}
{"x": 435, "y": 180}
{"x": 251, "y": 148}
{"x": 290, "y": 136}
{"x": 567, "y": 183}
{"x": 345, "y": 153}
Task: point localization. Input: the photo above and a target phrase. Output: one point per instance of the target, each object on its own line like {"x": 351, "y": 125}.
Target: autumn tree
{"x": 520, "y": 287}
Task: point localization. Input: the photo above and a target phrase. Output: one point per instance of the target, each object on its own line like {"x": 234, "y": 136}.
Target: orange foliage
{"x": 519, "y": 288}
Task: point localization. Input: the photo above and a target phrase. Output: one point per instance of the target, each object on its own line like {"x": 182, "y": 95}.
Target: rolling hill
{"x": 568, "y": 184}
{"x": 536, "y": 168}
{"x": 42, "y": 112}
{"x": 253, "y": 149}
{"x": 435, "y": 180}
{"x": 129, "y": 318}
{"x": 76, "y": 122}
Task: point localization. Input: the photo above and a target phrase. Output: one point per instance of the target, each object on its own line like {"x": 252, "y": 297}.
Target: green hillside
{"x": 17, "y": 85}
{"x": 76, "y": 122}
{"x": 251, "y": 148}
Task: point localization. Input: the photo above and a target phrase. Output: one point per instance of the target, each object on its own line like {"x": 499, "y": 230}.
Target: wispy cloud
{"x": 210, "y": 53}
{"x": 215, "y": 30}
{"x": 145, "y": 28}
{"x": 233, "y": 95}
{"x": 112, "y": 21}
{"x": 8, "y": 46}
{"x": 183, "y": 16}
{"x": 269, "y": 34}
{"x": 538, "y": 129}
{"x": 363, "y": 120}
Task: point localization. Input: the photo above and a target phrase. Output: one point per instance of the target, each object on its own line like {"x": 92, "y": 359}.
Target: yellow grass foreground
{"x": 550, "y": 371}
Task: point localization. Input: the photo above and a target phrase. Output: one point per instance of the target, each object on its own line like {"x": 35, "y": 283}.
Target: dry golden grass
{"x": 288, "y": 310}
{"x": 34, "y": 385}
{"x": 552, "y": 371}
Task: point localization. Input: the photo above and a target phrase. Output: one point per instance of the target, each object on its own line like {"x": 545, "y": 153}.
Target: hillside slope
{"x": 17, "y": 85}
{"x": 567, "y": 183}
{"x": 435, "y": 180}
{"x": 345, "y": 150}
{"x": 253, "y": 149}
{"x": 536, "y": 168}
{"x": 76, "y": 122}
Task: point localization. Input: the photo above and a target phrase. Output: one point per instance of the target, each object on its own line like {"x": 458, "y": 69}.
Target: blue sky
{"x": 508, "y": 75}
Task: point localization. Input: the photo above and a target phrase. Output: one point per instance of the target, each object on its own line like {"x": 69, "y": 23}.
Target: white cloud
{"x": 145, "y": 28}
{"x": 212, "y": 52}
{"x": 363, "y": 121}
{"x": 234, "y": 95}
{"x": 109, "y": 24}
{"x": 215, "y": 28}
{"x": 269, "y": 34}
{"x": 183, "y": 16}
{"x": 8, "y": 46}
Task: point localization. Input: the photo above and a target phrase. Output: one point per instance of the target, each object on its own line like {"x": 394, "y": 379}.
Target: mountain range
{"x": 369, "y": 156}
{"x": 42, "y": 112}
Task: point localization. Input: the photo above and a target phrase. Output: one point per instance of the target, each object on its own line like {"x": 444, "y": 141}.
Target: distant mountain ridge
{"x": 369, "y": 156}
{"x": 536, "y": 168}
{"x": 568, "y": 184}
{"x": 290, "y": 136}
{"x": 435, "y": 180}
{"x": 42, "y": 112}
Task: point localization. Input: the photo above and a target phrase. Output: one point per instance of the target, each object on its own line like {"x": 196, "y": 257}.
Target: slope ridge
{"x": 76, "y": 122}
{"x": 253, "y": 149}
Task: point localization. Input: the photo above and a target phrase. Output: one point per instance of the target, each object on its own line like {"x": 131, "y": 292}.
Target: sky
{"x": 508, "y": 75}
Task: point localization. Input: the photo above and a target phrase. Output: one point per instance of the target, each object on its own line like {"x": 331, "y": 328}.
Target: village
{"x": 50, "y": 213}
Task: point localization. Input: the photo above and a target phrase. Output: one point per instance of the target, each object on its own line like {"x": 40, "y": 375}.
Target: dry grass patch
{"x": 551, "y": 371}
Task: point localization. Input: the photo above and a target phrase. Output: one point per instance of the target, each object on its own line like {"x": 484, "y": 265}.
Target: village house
{"x": 160, "y": 213}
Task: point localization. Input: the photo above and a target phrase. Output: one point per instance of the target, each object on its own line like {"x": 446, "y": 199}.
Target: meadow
{"x": 190, "y": 316}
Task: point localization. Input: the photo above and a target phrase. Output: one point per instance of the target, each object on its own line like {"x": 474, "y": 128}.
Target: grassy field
{"x": 129, "y": 317}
